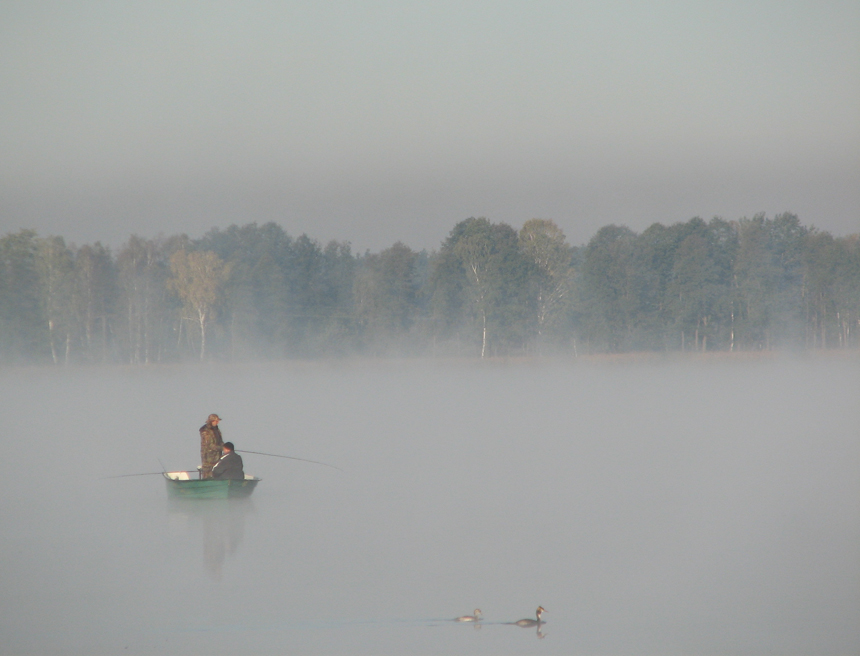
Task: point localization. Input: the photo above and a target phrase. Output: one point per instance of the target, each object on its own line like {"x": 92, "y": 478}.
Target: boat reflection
{"x": 221, "y": 523}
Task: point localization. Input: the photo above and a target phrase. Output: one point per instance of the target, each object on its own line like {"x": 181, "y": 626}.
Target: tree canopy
{"x": 253, "y": 292}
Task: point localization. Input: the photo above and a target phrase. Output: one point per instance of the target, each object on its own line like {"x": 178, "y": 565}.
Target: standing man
{"x": 230, "y": 466}
{"x": 210, "y": 445}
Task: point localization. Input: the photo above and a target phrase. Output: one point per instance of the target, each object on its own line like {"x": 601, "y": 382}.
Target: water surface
{"x": 696, "y": 507}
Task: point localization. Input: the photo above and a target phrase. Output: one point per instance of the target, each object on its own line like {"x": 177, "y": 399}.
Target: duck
{"x": 535, "y": 622}
{"x": 470, "y": 618}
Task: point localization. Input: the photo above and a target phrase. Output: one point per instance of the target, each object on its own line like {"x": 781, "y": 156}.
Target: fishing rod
{"x": 275, "y": 455}
{"x": 163, "y": 471}
{"x": 146, "y": 474}
{"x": 256, "y": 453}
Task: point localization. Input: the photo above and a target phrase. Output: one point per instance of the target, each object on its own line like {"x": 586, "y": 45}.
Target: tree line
{"x": 253, "y": 292}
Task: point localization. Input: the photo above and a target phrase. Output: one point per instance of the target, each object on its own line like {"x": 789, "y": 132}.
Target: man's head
{"x": 227, "y": 447}
{"x": 213, "y": 420}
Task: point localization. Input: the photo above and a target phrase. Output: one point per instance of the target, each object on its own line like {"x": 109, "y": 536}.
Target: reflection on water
{"x": 539, "y": 631}
{"x": 221, "y": 523}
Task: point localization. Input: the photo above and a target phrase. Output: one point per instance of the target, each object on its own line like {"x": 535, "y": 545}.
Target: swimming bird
{"x": 536, "y": 622}
{"x": 470, "y": 618}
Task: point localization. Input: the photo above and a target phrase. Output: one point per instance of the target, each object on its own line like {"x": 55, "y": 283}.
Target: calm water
{"x": 705, "y": 507}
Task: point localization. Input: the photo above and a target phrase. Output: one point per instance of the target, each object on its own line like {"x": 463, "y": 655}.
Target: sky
{"x": 376, "y": 122}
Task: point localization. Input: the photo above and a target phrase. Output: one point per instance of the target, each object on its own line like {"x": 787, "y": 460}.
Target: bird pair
{"x": 477, "y": 617}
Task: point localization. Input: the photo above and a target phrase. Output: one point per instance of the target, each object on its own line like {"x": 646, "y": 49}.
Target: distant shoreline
{"x": 600, "y": 359}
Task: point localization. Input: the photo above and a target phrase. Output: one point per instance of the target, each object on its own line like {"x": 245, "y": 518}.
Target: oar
{"x": 275, "y": 455}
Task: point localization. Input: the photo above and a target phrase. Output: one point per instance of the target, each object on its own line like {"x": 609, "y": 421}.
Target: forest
{"x": 254, "y": 292}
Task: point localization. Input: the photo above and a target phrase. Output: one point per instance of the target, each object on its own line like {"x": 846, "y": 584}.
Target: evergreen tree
{"x": 23, "y": 325}
{"x": 606, "y": 290}
{"x": 386, "y": 298}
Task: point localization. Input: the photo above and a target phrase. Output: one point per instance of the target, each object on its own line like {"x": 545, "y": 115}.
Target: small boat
{"x": 181, "y": 486}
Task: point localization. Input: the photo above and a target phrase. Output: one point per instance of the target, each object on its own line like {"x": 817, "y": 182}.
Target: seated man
{"x": 229, "y": 467}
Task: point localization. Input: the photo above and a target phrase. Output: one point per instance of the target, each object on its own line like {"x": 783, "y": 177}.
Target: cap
{"x": 214, "y": 416}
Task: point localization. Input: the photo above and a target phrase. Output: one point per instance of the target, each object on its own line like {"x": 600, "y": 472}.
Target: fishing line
{"x": 275, "y": 455}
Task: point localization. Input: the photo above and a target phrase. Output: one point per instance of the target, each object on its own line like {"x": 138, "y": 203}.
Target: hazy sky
{"x": 374, "y": 122}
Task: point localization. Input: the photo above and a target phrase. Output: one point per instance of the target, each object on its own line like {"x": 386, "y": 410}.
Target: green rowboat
{"x": 181, "y": 486}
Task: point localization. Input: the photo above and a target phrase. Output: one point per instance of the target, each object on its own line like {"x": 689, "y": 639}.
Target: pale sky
{"x": 377, "y": 122}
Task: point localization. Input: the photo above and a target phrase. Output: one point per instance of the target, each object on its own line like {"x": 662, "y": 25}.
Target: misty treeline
{"x": 253, "y": 291}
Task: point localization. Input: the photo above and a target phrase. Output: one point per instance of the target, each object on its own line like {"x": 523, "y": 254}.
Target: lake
{"x": 652, "y": 506}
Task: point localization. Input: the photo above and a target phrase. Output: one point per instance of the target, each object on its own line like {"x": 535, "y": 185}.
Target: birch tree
{"x": 474, "y": 252}
{"x": 95, "y": 291}
{"x": 55, "y": 265}
{"x": 545, "y": 245}
{"x": 142, "y": 271}
{"x": 481, "y": 277}
{"x": 199, "y": 279}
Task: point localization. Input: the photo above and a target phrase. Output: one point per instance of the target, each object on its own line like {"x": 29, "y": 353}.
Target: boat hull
{"x": 179, "y": 487}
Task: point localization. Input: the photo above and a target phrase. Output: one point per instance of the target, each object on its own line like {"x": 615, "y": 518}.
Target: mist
{"x": 651, "y": 506}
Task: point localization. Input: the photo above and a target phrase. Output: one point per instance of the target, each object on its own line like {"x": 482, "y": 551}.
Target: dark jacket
{"x": 229, "y": 468}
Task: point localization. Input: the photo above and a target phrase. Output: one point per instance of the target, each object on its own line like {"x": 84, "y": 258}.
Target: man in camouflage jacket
{"x": 210, "y": 445}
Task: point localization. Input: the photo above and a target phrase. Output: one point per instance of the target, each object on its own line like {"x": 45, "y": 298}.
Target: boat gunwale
{"x": 181, "y": 481}
{"x": 208, "y": 488}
